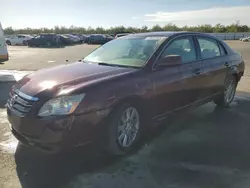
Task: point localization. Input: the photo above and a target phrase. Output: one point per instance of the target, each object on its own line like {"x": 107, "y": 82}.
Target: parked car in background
{"x": 98, "y": 39}
{"x": 122, "y": 34}
{"x": 82, "y": 37}
{"x": 4, "y": 55}
{"x": 74, "y": 38}
{"x": 85, "y": 38}
{"x": 18, "y": 39}
{"x": 247, "y": 39}
{"x": 64, "y": 40}
{"x": 109, "y": 37}
{"x": 120, "y": 89}
{"x": 47, "y": 39}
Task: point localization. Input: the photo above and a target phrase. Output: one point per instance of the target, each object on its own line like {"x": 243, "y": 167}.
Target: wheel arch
{"x": 139, "y": 102}
{"x": 237, "y": 75}
{"x": 235, "y": 72}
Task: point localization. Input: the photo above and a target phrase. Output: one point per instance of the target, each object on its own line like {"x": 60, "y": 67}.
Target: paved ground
{"x": 25, "y": 58}
{"x": 204, "y": 147}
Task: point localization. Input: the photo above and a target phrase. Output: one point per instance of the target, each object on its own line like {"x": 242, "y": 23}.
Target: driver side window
{"x": 183, "y": 47}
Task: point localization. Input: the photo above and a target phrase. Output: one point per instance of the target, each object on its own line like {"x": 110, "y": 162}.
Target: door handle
{"x": 226, "y": 64}
{"x": 197, "y": 71}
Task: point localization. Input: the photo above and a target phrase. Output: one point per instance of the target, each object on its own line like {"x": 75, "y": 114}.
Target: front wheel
{"x": 227, "y": 97}
{"x": 123, "y": 130}
{"x": 8, "y": 42}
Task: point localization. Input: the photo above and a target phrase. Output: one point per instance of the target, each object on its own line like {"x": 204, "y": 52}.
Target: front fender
{"x": 108, "y": 95}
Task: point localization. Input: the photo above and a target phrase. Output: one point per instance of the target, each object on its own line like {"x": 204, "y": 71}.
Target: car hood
{"x": 68, "y": 77}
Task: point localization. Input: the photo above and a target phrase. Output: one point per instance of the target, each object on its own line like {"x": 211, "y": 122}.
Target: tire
{"x": 227, "y": 97}
{"x": 118, "y": 128}
{"x": 8, "y": 42}
{"x": 25, "y": 42}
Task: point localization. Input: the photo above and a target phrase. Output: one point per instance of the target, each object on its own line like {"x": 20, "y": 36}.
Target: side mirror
{"x": 170, "y": 60}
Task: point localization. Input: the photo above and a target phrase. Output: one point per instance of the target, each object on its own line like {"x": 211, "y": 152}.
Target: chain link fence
{"x": 230, "y": 36}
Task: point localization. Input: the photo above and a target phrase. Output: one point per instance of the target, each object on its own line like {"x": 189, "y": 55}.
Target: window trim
{"x": 209, "y": 38}
{"x": 222, "y": 47}
{"x": 191, "y": 36}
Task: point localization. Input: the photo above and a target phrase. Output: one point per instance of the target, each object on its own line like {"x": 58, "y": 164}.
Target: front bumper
{"x": 41, "y": 132}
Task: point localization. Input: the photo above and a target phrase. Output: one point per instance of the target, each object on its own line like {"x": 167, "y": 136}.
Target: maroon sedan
{"x": 120, "y": 88}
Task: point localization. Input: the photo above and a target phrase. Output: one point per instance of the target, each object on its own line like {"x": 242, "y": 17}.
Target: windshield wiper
{"x": 116, "y": 65}
{"x": 107, "y": 64}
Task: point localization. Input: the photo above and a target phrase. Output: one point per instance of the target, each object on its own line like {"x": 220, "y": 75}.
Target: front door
{"x": 179, "y": 85}
{"x": 167, "y": 89}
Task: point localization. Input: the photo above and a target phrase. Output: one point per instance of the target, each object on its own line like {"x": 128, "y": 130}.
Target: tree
{"x": 218, "y": 28}
{"x": 9, "y": 31}
{"x": 156, "y": 28}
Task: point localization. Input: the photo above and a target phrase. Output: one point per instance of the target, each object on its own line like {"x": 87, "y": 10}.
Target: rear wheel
{"x": 227, "y": 97}
{"x": 123, "y": 130}
{"x": 25, "y": 42}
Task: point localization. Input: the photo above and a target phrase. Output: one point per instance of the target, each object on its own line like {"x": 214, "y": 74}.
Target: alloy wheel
{"x": 128, "y": 127}
{"x": 230, "y": 90}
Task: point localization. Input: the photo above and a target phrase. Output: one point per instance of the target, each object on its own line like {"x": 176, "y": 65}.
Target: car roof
{"x": 167, "y": 34}
{"x": 124, "y": 33}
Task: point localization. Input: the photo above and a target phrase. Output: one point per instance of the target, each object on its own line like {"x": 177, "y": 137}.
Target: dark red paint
{"x": 159, "y": 90}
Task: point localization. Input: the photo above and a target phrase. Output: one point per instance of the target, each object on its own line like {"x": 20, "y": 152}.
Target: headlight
{"x": 61, "y": 106}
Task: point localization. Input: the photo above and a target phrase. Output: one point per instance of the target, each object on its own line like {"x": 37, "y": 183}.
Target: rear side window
{"x": 183, "y": 47}
{"x": 99, "y": 37}
{"x": 209, "y": 47}
{"x": 222, "y": 49}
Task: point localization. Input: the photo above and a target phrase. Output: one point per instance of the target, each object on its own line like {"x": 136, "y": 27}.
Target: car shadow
{"x": 204, "y": 147}
{"x": 36, "y": 169}
{"x": 49, "y": 47}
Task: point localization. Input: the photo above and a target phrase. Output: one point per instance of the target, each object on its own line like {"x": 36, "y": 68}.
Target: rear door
{"x": 216, "y": 64}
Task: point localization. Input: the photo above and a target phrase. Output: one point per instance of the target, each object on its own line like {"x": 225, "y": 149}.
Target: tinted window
{"x": 99, "y": 37}
{"x": 209, "y": 47}
{"x": 183, "y": 47}
{"x": 47, "y": 36}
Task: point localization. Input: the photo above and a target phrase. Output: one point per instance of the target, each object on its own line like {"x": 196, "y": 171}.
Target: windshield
{"x": 133, "y": 52}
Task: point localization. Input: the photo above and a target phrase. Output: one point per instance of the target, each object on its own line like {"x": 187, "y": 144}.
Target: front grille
{"x": 20, "y": 103}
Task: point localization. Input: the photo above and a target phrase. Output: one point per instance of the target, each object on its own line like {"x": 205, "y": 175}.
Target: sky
{"x": 110, "y": 13}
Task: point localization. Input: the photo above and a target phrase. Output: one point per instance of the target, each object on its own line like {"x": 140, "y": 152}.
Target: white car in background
{"x": 18, "y": 40}
{"x": 247, "y": 39}
{"x": 4, "y": 55}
